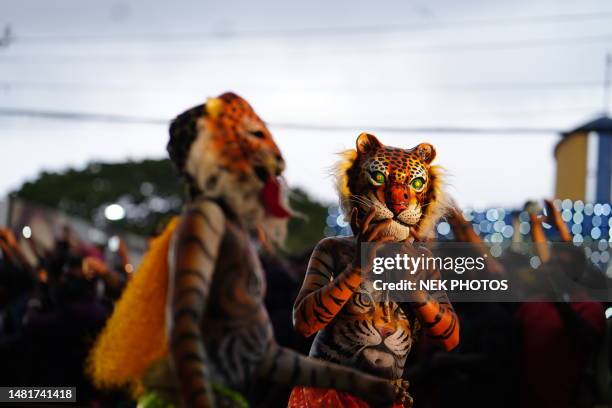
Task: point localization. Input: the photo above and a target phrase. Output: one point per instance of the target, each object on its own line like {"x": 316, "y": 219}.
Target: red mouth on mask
{"x": 272, "y": 198}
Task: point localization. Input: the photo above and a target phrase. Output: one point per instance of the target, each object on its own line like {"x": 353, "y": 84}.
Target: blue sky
{"x": 358, "y": 65}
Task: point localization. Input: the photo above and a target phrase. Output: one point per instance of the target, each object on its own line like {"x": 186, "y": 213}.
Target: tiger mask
{"x": 400, "y": 184}
{"x": 226, "y": 153}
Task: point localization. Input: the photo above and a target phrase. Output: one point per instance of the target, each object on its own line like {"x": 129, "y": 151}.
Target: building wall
{"x": 604, "y": 168}
{"x": 571, "y": 155}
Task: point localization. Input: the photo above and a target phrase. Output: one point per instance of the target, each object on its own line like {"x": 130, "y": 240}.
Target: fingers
{"x": 539, "y": 238}
{"x": 415, "y": 235}
{"x": 354, "y": 221}
{"x": 376, "y": 230}
{"x": 455, "y": 214}
{"x": 554, "y": 218}
{"x": 367, "y": 233}
{"x": 401, "y": 392}
{"x": 535, "y": 220}
{"x": 407, "y": 245}
{"x": 381, "y": 241}
{"x": 550, "y": 207}
{"x": 550, "y": 214}
{"x": 368, "y": 220}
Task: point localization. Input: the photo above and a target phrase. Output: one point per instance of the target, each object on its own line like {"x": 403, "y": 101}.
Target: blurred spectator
{"x": 558, "y": 339}
{"x": 51, "y": 312}
{"x": 481, "y": 370}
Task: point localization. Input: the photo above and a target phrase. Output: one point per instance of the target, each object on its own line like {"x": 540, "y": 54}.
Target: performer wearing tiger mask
{"x": 391, "y": 195}
{"x": 191, "y": 328}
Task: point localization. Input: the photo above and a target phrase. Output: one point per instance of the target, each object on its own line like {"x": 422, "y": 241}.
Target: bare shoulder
{"x": 335, "y": 245}
{"x": 204, "y": 213}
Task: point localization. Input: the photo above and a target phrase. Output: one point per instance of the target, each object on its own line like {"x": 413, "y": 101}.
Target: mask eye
{"x": 418, "y": 183}
{"x": 258, "y": 134}
{"x": 377, "y": 178}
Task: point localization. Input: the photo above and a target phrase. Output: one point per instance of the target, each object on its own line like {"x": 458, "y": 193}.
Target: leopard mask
{"x": 400, "y": 184}
{"x": 226, "y": 153}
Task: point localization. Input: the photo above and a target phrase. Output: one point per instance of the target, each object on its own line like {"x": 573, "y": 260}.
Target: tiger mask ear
{"x": 426, "y": 152}
{"x": 367, "y": 143}
{"x": 214, "y": 107}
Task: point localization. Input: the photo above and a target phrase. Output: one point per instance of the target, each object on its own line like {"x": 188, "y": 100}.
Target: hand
{"x": 539, "y": 237}
{"x": 8, "y": 236}
{"x": 366, "y": 233}
{"x": 93, "y": 267}
{"x": 409, "y": 248}
{"x": 123, "y": 252}
{"x": 554, "y": 218}
{"x": 401, "y": 392}
{"x": 385, "y": 393}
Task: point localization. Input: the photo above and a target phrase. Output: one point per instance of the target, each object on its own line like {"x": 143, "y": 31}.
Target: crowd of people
{"x": 52, "y": 308}
{"x": 534, "y": 353}
{"x": 528, "y": 354}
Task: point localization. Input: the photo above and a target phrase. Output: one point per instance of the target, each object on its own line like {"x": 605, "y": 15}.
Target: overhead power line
{"x": 126, "y": 87}
{"x": 126, "y": 119}
{"x": 414, "y": 49}
{"x": 81, "y": 116}
{"x": 220, "y": 34}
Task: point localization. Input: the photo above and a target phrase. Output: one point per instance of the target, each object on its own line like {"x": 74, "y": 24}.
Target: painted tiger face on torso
{"x": 400, "y": 184}
{"x": 370, "y": 333}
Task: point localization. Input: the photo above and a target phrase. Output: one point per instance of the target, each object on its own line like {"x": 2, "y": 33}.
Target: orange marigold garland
{"x": 135, "y": 334}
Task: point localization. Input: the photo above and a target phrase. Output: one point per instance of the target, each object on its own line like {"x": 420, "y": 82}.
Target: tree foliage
{"x": 150, "y": 192}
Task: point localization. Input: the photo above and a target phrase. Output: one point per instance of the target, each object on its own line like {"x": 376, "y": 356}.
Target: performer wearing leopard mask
{"x": 391, "y": 195}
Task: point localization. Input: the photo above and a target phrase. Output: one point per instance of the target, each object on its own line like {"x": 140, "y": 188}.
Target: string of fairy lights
{"x": 590, "y": 225}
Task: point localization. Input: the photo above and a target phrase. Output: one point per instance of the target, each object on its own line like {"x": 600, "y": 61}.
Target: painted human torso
{"x": 370, "y": 333}
{"x": 236, "y": 323}
{"x": 236, "y": 320}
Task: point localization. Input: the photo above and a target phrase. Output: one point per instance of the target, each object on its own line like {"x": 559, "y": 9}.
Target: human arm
{"x": 432, "y": 308}
{"x": 322, "y": 295}
{"x": 196, "y": 248}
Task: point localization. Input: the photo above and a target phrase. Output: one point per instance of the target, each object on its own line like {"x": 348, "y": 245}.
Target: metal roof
{"x": 601, "y": 124}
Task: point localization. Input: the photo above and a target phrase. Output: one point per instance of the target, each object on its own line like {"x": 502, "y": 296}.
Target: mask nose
{"x": 275, "y": 164}
{"x": 397, "y": 197}
{"x": 280, "y": 163}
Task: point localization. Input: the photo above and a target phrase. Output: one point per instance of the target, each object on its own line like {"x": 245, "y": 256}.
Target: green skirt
{"x": 224, "y": 398}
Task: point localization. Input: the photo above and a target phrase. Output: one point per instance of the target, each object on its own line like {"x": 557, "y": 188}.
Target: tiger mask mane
{"x": 400, "y": 184}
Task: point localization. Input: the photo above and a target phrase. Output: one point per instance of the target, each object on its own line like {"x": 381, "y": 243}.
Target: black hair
{"x": 183, "y": 133}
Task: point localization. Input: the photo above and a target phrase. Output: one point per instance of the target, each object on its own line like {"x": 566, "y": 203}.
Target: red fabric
{"x": 552, "y": 361}
{"x": 306, "y": 397}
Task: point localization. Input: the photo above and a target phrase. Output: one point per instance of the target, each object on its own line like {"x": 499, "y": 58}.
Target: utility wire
{"x": 318, "y": 31}
{"x": 125, "y": 119}
{"x": 81, "y": 116}
{"x": 127, "y": 87}
{"x": 417, "y": 49}
{"x": 512, "y": 111}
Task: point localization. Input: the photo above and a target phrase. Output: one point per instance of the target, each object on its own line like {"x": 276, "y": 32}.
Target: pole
{"x": 606, "y": 84}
